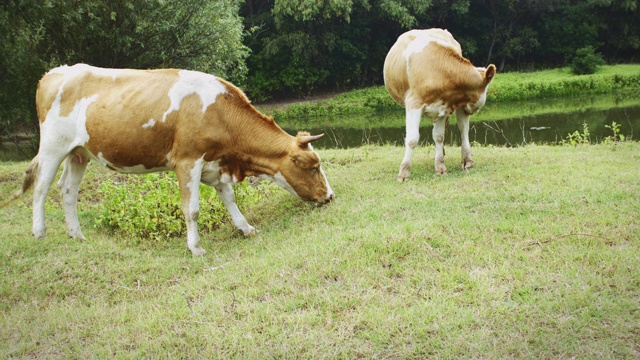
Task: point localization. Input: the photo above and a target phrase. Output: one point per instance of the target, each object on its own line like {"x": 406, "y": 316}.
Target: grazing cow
{"x": 136, "y": 121}
{"x": 425, "y": 72}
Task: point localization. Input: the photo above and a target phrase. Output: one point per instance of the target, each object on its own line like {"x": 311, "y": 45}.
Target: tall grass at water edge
{"x": 506, "y": 87}
{"x": 533, "y": 253}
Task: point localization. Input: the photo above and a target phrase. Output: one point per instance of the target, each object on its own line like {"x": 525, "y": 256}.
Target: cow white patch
{"x": 436, "y": 110}
{"x": 330, "y": 193}
{"x": 326, "y": 182}
{"x": 206, "y": 86}
{"x": 149, "y": 124}
{"x": 137, "y": 169}
{"x": 66, "y": 132}
{"x": 279, "y": 179}
{"x": 228, "y": 179}
{"x": 101, "y": 160}
{"x": 194, "y": 185}
{"x": 419, "y": 43}
{"x": 81, "y": 68}
{"x": 225, "y": 178}
{"x": 211, "y": 173}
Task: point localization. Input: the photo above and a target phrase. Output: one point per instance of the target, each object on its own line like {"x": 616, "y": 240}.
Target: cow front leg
{"x": 438, "y": 137}
{"x": 225, "y": 191}
{"x": 189, "y": 175}
{"x": 74, "y": 168}
{"x": 463, "y": 125}
{"x": 410, "y": 142}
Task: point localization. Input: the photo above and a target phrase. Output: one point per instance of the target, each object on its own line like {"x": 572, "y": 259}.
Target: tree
{"x": 302, "y": 45}
{"x": 586, "y": 61}
{"x": 621, "y": 35}
{"x": 509, "y": 27}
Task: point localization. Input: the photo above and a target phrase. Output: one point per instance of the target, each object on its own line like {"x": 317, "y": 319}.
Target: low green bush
{"x": 149, "y": 206}
{"x": 586, "y": 61}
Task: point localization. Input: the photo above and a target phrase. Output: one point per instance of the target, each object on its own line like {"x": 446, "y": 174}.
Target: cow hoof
{"x": 77, "y": 235}
{"x": 39, "y": 234}
{"x": 198, "y": 251}
{"x": 404, "y": 174}
{"x": 467, "y": 164}
{"x": 441, "y": 169}
{"x": 251, "y": 231}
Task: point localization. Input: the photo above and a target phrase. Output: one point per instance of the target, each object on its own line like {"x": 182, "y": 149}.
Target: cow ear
{"x": 305, "y": 139}
{"x": 489, "y": 74}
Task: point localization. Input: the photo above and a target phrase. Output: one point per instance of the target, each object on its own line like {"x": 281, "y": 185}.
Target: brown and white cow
{"x": 136, "y": 121}
{"x": 426, "y": 73}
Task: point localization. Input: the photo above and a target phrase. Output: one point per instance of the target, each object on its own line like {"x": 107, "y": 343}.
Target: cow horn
{"x": 305, "y": 139}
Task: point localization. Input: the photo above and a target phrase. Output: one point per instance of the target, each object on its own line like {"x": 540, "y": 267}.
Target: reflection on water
{"x": 516, "y": 123}
{"x": 549, "y": 128}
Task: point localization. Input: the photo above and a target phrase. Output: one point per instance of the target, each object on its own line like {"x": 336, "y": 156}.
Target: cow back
{"x": 426, "y": 66}
{"x": 132, "y": 117}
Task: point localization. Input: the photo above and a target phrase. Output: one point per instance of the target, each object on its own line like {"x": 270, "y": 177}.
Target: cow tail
{"x": 28, "y": 180}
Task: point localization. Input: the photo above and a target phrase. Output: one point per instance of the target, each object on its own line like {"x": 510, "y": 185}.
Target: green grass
{"x": 561, "y": 82}
{"x": 506, "y": 87}
{"x": 533, "y": 253}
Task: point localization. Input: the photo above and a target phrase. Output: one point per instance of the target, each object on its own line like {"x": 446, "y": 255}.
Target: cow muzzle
{"x": 326, "y": 199}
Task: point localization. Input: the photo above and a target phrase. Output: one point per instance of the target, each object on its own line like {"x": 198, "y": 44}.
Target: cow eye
{"x": 314, "y": 169}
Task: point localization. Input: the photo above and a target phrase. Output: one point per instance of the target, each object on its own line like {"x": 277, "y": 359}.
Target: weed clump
{"x": 576, "y": 137}
{"x": 149, "y": 206}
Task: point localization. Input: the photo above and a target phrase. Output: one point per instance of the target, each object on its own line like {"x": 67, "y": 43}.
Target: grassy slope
{"x": 532, "y": 254}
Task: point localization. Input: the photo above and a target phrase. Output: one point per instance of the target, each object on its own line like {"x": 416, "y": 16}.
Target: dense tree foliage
{"x": 36, "y": 35}
{"x": 299, "y": 46}
{"x": 291, "y": 48}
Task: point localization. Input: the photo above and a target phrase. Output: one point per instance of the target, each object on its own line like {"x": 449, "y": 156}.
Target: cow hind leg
{"x": 463, "y": 125}
{"x": 189, "y": 180}
{"x": 411, "y": 141}
{"x": 74, "y": 168}
{"x": 438, "y": 137}
{"x": 47, "y": 168}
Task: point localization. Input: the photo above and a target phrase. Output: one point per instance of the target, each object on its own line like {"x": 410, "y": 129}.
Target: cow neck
{"x": 260, "y": 144}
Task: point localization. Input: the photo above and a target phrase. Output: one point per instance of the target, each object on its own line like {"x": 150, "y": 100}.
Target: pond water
{"x": 501, "y": 124}
{"x": 541, "y": 121}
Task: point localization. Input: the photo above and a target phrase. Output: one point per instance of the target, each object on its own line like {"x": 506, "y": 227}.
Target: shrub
{"x": 586, "y": 61}
{"x": 149, "y": 206}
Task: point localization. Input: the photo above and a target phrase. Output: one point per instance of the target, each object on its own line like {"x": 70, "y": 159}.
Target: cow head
{"x": 300, "y": 172}
{"x": 487, "y": 75}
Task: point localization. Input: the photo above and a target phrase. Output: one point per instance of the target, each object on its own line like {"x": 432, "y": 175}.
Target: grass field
{"x": 532, "y": 254}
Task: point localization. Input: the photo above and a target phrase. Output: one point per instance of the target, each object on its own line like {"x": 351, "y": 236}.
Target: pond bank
{"x": 507, "y": 87}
